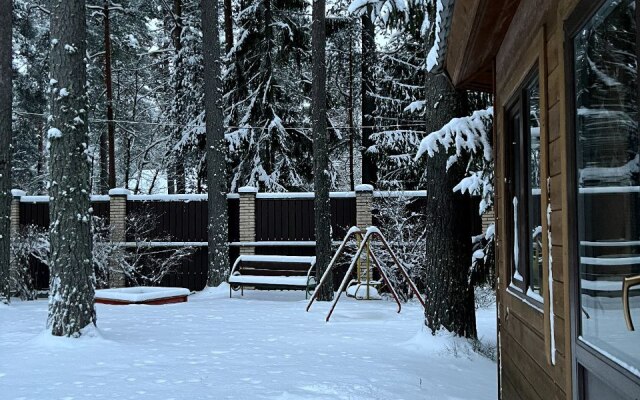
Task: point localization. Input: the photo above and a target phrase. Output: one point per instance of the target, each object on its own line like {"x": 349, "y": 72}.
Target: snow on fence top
{"x": 364, "y": 188}
{"x": 119, "y": 192}
{"x": 248, "y": 189}
{"x": 298, "y": 195}
{"x": 203, "y": 197}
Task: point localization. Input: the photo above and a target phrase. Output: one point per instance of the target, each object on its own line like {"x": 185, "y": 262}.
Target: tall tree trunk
{"x": 71, "y": 293}
{"x": 108, "y": 80}
{"x": 6, "y": 91}
{"x": 450, "y": 299}
{"x": 216, "y": 162}
{"x": 228, "y": 25}
{"x": 352, "y": 178}
{"x": 177, "y": 166}
{"x": 369, "y": 167}
{"x": 320, "y": 148}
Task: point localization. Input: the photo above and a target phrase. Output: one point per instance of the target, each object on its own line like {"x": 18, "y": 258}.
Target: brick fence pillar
{"x": 247, "y": 218}
{"x": 364, "y": 206}
{"x": 118, "y": 229}
{"x": 14, "y": 218}
{"x": 15, "y": 211}
{"x": 364, "y": 219}
{"x": 487, "y": 219}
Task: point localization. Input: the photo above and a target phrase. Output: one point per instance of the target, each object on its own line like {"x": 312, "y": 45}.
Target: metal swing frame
{"x": 370, "y": 233}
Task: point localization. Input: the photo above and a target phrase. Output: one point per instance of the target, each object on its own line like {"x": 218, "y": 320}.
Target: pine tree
{"x": 322, "y": 209}
{"x": 450, "y": 296}
{"x": 216, "y": 162}
{"x": 71, "y": 293}
{"x": 6, "y": 95}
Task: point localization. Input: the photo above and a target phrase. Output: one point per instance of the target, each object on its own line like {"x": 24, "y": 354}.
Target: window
{"x": 607, "y": 179}
{"x": 523, "y": 188}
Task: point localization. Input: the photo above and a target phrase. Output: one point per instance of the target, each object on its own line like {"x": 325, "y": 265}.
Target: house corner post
{"x": 118, "y": 231}
{"x": 247, "y": 218}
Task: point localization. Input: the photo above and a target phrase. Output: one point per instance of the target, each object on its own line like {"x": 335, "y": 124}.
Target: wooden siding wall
{"x": 535, "y": 38}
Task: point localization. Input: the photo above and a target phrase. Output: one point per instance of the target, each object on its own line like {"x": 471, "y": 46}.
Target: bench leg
{"x": 241, "y": 290}
{"x": 229, "y": 291}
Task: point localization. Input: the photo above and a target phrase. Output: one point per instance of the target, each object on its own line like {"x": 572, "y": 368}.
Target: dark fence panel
{"x": 277, "y": 219}
{"x": 283, "y": 219}
{"x": 343, "y": 216}
{"x": 37, "y": 214}
{"x": 179, "y": 221}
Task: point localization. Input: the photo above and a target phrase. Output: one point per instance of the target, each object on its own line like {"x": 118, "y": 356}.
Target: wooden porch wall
{"x": 535, "y": 38}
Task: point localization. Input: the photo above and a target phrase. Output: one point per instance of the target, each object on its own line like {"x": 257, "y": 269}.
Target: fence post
{"x": 118, "y": 227}
{"x": 364, "y": 206}
{"x": 247, "y": 218}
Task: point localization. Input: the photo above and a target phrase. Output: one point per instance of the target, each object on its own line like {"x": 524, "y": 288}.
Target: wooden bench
{"x": 273, "y": 273}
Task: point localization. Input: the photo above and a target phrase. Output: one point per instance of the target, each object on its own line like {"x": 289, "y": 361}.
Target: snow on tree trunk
{"x": 5, "y": 144}
{"x": 216, "y": 145}
{"x": 450, "y": 297}
{"x": 71, "y": 293}
{"x": 321, "y": 178}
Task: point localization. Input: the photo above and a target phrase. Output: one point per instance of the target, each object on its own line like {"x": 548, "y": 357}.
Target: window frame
{"x": 518, "y": 185}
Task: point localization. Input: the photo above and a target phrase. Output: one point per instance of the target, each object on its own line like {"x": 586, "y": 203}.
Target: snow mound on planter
{"x": 140, "y": 293}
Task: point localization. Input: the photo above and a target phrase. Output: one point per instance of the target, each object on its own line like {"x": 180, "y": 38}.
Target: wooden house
{"x": 564, "y": 75}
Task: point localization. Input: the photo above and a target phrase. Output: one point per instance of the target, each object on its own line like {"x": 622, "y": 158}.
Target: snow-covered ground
{"x": 261, "y": 346}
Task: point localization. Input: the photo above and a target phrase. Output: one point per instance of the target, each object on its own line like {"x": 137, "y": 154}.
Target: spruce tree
{"x": 266, "y": 97}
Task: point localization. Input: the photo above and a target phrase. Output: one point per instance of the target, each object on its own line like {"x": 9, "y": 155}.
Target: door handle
{"x": 628, "y": 283}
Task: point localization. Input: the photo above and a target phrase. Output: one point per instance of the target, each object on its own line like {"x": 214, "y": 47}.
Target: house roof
{"x": 471, "y": 33}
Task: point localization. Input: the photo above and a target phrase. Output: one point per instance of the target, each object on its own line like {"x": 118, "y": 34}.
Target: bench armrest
{"x": 311, "y": 268}
{"x": 236, "y": 264}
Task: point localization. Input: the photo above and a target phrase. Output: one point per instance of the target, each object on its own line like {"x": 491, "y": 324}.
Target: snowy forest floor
{"x": 261, "y": 346}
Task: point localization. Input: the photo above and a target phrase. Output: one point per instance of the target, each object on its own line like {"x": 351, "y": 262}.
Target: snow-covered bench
{"x": 273, "y": 273}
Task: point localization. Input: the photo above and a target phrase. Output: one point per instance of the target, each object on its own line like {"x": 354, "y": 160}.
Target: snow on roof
{"x": 437, "y": 54}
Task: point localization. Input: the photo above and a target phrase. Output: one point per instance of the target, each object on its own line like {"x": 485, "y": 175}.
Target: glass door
{"x": 606, "y": 196}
